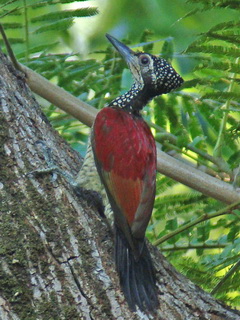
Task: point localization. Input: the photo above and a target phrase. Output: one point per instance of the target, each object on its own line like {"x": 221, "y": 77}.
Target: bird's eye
{"x": 144, "y": 60}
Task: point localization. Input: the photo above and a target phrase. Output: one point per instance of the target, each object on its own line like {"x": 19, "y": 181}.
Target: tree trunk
{"x": 56, "y": 253}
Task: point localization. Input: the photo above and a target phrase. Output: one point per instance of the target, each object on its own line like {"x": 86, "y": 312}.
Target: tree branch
{"x": 232, "y": 270}
{"x": 196, "y": 179}
{"x": 202, "y": 218}
{"x": 166, "y": 164}
{"x": 162, "y": 136}
{"x": 190, "y": 246}
{"x": 59, "y": 97}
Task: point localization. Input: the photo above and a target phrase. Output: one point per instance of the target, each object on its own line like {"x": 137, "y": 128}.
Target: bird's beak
{"x": 127, "y": 54}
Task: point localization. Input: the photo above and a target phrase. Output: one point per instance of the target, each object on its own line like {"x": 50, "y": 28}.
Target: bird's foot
{"x": 92, "y": 198}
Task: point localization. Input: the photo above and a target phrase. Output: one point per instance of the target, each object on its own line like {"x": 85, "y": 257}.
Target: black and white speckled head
{"x": 152, "y": 75}
{"x": 155, "y": 73}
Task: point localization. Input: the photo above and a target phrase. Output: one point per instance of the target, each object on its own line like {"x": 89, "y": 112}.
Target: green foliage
{"x": 199, "y": 122}
{"x": 27, "y": 19}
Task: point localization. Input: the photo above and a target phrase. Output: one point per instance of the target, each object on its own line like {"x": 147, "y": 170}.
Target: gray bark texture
{"x": 56, "y": 253}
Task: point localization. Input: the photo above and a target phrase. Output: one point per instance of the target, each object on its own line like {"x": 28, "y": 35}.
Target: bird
{"x": 124, "y": 153}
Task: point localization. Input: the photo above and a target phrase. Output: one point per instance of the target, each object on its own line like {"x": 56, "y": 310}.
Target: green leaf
{"x": 214, "y": 49}
{"x": 12, "y": 25}
{"x": 64, "y": 14}
{"x": 168, "y": 49}
{"x": 172, "y": 224}
{"x": 61, "y": 25}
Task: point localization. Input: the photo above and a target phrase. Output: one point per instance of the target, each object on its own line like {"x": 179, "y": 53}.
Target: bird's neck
{"x": 132, "y": 101}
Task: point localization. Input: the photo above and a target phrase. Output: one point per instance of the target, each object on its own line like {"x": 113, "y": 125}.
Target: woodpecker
{"x": 121, "y": 157}
{"x": 124, "y": 152}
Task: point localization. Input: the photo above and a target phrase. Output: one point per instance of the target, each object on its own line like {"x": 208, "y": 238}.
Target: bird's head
{"x": 150, "y": 72}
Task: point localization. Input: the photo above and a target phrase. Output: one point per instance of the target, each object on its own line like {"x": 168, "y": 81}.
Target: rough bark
{"x": 56, "y": 258}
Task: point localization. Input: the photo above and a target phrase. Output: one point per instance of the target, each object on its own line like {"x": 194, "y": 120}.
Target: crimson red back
{"x": 125, "y": 154}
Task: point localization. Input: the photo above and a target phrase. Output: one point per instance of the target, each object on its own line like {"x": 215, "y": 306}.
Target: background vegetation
{"x": 64, "y": 41}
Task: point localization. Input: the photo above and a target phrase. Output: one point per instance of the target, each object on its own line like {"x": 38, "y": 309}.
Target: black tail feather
{"x": 137, "y": 276}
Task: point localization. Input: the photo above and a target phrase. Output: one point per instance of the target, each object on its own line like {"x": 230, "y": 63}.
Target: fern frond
{"x": 61, "y": 25}
{"x": 37, "y": 49}
{"x": 231, "y": 37}
{"x": 198, "y": 273}
{"x": 180, "y": 198}
{"x": 12, "y": 25}
{"x": 13, "y": 41}
{"x": 39, "y": 20}
{"x": 64, "y": 14}
{"x": 222, "y": 96}
{"x": 198, "y": 46}
{"x": 225, "y": 25}
{"x": 225, "y": 66}
{"x": 209, "y": 5}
